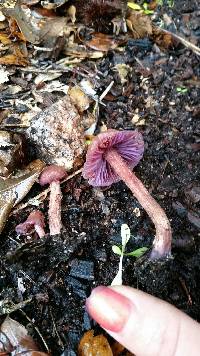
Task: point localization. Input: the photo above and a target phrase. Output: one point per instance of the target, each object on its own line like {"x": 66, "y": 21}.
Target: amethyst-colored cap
{"x": 51, "y": 174}
{"x": 129, "y": 145}
{"x": 35, "y": 218}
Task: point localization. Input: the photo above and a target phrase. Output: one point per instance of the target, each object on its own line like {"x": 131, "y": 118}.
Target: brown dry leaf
{"x": 162, "y": 39}
{"x": 11, "y": 152}
{"x": 18, "y": 56}
{"x": 139, "y": 24}
{"x": 79, "y": 98}
{"x": 15, "y": 31}
{"x": 4, "y": 38}
{"x": 14, "y": 189}
{"x": 37, "y": 25}
{"x": 91, "y": 345}
{"x": 15, "y": 340}
{"x": 102, "y": 42}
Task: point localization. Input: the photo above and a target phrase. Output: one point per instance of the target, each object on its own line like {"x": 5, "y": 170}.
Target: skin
{"x": 145, "y": 325}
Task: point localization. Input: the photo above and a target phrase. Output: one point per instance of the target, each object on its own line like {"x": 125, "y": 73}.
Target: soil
{"x": 59, "y": 272}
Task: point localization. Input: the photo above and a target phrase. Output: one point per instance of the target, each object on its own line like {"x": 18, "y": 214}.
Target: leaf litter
{"x": 64, "y": 73}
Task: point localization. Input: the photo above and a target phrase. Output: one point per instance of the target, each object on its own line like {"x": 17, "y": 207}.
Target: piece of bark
{"x": 58, "y": 134}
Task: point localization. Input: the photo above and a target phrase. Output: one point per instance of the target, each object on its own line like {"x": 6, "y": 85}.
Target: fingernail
{"x": 109, "y": 308}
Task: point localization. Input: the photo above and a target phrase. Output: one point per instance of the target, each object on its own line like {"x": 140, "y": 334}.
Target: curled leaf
{"x": 14, "y": 189}
{"x": 139, "y": 24}
{"x": 102, "y": 42}
{"x": 14, "y": 339}
{"x": 11, "y": 152}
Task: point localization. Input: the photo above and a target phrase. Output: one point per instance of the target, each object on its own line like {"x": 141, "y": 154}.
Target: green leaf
{"x": 134, "y": 6}
{"x": 148, "y": 12}
{"x": 116, "y": 249}
{"x": 181, "y": 90}
{"x": 137, "y": 253}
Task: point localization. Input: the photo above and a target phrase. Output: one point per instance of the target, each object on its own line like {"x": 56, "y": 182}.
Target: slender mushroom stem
{"x": 35, "y": 220}
{"x": 54, "y": 212}
{"x": 162, "y": 241}
{"x": 40, "y": 231}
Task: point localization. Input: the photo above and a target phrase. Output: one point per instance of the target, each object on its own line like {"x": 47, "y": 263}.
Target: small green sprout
{"x": 144, "y": 8}
{"x": 125, "y": 235}
{"x": 135, "y": 253}
{"x": 181, "y": 90}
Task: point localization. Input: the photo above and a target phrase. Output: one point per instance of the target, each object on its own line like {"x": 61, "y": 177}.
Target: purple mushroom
{"x": 34, "y": 221}
{"x": 53, "y": 175}
{"x": 111, "y": 157}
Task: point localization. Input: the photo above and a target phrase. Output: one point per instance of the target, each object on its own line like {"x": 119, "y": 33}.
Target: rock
{"x": 58, "y": 134}
{"x": 78, "y": 287}
{"x": 82, "y": 269}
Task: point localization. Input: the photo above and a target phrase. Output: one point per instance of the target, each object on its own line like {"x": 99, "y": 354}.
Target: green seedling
{"x": 135, "y": 253}
{"x": 181, "y": 90}
{"x": 144, "y": 8}
{"x": 125, "y": 235}
{"x": 146, "y": 11}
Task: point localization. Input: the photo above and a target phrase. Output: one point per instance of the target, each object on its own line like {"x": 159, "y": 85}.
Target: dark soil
{"x": 60, "y": 272}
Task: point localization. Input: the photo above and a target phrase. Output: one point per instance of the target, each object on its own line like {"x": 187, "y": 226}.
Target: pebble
{"x": 78, "y": 287}
{"x": 82, "y": 269}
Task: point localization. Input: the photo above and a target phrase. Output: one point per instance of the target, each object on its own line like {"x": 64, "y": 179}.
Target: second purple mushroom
{"x": 52, "y": 175}
{"x": 111, "y": 156}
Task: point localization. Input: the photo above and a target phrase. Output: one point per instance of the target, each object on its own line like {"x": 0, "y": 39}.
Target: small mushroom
{"x": 110, "y": 158}
{"x": 52, "y": 175}
{"x": 35, "y": 220}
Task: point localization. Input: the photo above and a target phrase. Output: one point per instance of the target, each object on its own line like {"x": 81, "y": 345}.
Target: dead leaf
{"x": 91, "y": 345}
{"x": 123, "y": 71}
{"x": 79, "y": 98}
{"x": 4, "y": 38}
{"x": 11, "y": 152}
{"x": 37, "y": 25}
{"x": 14, "y": 189}
{"x": 163, "y": 39}
{"x": 17, "y": 55}
{"x": 15, "y": 340}
{"x": 15, "y": 31}
{"x": 139, "y": 24}
{"x": 102, "y": 42}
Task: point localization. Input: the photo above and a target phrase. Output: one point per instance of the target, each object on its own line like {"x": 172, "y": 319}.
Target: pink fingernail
{"x": 109, "y": 308}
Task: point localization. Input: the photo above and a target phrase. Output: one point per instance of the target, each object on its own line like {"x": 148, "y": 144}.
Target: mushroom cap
{"x": 51, "y": 174}
{"x": 35, "y": 218}
{"x": 129, "y": 145}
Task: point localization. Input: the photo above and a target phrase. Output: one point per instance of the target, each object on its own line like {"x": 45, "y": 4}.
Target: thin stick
{"x": 43, "y": 194}
{"x": 36, "y": 329}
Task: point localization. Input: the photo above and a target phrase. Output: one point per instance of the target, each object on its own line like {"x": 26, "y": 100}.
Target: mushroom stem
{"x": 163, "y": 238}
{"x": 40, "y": 231}
{"x": 54, "y": 212}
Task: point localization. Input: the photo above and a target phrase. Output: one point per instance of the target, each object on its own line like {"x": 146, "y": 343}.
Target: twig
{"x": 55, "y": 328}
{"x": 31, "y": 201}
{"x": 36, "y": 329}
{"x": 186, "y": 290}
{"x": 185, "y": 42}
